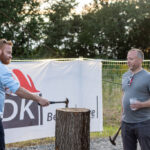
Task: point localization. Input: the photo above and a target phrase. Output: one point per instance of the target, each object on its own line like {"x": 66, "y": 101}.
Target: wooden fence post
{"x": 72, "y": 129}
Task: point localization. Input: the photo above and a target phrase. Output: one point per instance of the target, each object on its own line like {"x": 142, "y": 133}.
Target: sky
{"x": 82, "y": 3}
{"x": 79, "y": 7}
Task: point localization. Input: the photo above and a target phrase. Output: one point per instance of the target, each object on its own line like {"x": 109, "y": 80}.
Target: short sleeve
{"x": 8, "y": 82}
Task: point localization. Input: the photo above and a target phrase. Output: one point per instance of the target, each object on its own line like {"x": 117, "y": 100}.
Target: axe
{"x": 55, "y": 102}
{"x": 112, "y": 140}
{"x": 66, "y": 102}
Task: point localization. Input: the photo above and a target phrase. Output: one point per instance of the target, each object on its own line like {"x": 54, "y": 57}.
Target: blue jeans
{"x": 133, "y": 132}
{"x": 2, "y": 137}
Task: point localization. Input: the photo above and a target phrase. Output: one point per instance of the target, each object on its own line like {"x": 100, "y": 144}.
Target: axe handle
{"x": 115, "y": 136}
{"x": 54, "y": 102}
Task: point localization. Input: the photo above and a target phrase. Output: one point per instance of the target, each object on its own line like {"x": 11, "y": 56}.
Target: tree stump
{"x": 72, "y": 129}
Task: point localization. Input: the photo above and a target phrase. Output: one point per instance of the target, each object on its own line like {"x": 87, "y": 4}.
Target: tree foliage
{"x": 103, "y": 30}
{"x": 19, "y": 24}
{"x": 117, "y": 27}
{"x": 57, "y": 29}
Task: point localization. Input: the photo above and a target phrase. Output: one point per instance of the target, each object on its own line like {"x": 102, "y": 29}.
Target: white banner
{"x": 78, "y": 80}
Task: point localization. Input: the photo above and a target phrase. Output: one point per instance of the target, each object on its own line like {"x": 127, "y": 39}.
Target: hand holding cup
{"x": 133, "y": 101}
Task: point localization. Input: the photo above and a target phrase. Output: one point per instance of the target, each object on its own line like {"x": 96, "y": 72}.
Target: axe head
{"x": 112, "y": 141}
{"x": 67, "y": 102}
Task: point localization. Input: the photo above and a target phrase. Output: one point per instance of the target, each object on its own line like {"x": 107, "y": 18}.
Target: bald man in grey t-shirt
{"x": 139, "y": 90}
{"x": 136, "y": 115}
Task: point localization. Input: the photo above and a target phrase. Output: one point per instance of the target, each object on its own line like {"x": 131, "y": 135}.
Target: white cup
{"x": 133, "y": 101}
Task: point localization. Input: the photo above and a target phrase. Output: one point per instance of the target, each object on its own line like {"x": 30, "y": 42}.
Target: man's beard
{"x": 4, "y": 60}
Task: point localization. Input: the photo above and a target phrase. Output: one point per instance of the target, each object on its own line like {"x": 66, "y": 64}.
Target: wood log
{"x": 72, "y": 129}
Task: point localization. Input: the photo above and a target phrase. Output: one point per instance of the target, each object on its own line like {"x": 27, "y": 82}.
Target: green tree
{"x": 103, "y": 30}
{"x": 139, "y": 35}
{"x": 123, "y": 25}
{"x": 19, "y": 23}
{"x": 57, "y": 29}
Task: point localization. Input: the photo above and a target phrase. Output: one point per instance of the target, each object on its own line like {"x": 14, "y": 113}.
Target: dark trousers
{"x": 2, "y": 137}
{"x": 133, "y": 132}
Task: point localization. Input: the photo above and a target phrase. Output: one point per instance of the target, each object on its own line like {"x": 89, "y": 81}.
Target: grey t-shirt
{"x": 138, "y": 88}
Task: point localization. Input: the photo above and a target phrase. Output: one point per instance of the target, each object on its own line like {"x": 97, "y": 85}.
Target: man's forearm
{"x": 23, "y": 93}
{"x": 139, "y": 105}
{"x": 145, "y": 104}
